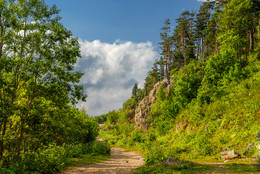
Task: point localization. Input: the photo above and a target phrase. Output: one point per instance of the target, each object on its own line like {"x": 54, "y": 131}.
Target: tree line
{"x": 198, "y": 35}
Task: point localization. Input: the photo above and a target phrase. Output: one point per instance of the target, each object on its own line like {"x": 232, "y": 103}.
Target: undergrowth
{"x": 54, "y": 158}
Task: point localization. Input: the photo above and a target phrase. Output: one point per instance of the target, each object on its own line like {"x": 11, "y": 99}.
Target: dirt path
{"x": 120, "y": 162}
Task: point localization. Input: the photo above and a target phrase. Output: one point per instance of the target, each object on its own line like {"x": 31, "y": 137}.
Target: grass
{"x": 186, "y": 167}
{"x": 86, "y": 160}
{"x": 99, "y": 152}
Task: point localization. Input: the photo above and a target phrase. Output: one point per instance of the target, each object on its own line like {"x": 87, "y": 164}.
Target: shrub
{"x": 154, "y": 154}
{"x": 48, "y": 161}
{"x": 137, "y": 136}
{"x": 54, "y": 158}
{"x": 99, "y": 148}
{"x": 203, "y": 146}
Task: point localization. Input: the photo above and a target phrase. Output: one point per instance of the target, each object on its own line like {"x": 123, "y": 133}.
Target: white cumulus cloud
{"x": 111, "y": 70}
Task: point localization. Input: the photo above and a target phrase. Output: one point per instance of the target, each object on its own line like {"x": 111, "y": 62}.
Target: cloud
{"x": 111, "y": 70}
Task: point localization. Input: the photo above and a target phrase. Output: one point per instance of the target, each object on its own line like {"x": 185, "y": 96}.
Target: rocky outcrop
{"x": 144, "y": 107}
{"x": 180, "y": 125}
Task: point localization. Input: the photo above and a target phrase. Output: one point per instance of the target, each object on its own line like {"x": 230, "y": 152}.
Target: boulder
{"x": 229, "y": 155}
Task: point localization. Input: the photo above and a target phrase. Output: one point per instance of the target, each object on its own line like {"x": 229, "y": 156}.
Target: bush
{"x": 98, "y": 148}
{"x": 137, "y": 137}
{"x": 49, "y": 160}
{"x": 154, "y": 154}
{"x": 54, "y": 158}
{"x": 203, "y": 146}
{"x": 186, "y": 89}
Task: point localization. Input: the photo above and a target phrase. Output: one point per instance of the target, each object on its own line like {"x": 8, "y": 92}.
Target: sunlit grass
{"x": 86, "y": 160}
{"x": 184, "y": 167}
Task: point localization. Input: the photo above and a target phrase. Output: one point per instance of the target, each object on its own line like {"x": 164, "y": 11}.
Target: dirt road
{"x": 120, "y": 162}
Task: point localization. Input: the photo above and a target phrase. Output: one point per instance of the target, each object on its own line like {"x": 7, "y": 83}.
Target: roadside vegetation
{"x": 41, "y": 130}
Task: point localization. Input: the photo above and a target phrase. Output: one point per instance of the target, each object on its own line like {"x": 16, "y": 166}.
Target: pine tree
{"x": 161, "y": 64}
{"x": 237, "y": 26}
{"x": 166, "y": 46}
{"x": 135, "y": 90}
{"x": 202, "y": 22}
{"x": 184, "y": 38}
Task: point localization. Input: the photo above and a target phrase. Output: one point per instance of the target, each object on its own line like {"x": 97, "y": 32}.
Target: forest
{"x": 202, "y": 95}
{"x": 41, "y": 130}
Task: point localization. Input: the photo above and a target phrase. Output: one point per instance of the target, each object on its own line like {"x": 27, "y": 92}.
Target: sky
{"x": 118, "y": 42}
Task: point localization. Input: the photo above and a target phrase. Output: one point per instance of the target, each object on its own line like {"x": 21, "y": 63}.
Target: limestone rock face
{"x": 144, "y": 107}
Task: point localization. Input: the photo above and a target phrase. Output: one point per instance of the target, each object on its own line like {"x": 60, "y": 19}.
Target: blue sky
{"x": 119, "y": 43}
{"x": 127, "y": 20}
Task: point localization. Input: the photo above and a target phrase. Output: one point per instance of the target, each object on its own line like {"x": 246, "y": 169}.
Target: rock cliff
{"x": 144, "y": 107}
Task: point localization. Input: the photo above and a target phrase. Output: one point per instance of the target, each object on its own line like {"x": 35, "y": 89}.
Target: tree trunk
{"x": 2, "y": 141}
{"x": 202, "y": 51}
{"x": 252, "y": 40}
{"x": 19, "y": 145}
{"x": 167, "y": 59}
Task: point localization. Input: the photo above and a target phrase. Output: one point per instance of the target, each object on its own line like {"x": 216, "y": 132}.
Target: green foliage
{"x": 185, "y": 90}
{"x": 54, "y": 158}
{"x": 136, "y": 137}
{"x": 38, "y": 81}
{"x": 49, "y": 160}
{"x": 101, "y": 119}
{"x": 238, "y": 18}
{"x": 135, "y": 90}
{"x": 112, "y": 117}
{"x": 93, "y": 148}
{"x": 187, "y": 167}
{"x": 204, "y": 147}
{"x": 155, "y": 154}
{"x": 220, "y": 71}
{"x": 161, "y": 93}
{"x": 99, "y": 149}
{"x": 199, "y": 131}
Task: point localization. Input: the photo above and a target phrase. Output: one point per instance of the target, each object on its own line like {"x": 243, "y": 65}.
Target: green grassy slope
{"x": 198, "y": 132}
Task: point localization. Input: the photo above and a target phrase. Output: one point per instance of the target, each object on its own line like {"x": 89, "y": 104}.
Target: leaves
{"x": 38, "y": 81}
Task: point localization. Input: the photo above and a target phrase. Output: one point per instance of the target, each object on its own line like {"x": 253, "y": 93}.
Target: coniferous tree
{"x": 161, "y": 64}
{"x": 202, "y": 22}
{"x": 237, "y": 26}
{"x": 184, "y": 37}
{"x": 166, "y": 46}
{"x": 135, "y": 90}
{"x": 155, "y": 73}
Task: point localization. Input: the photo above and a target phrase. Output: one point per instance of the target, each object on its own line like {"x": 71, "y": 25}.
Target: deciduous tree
{"x": 37, "y": 54}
